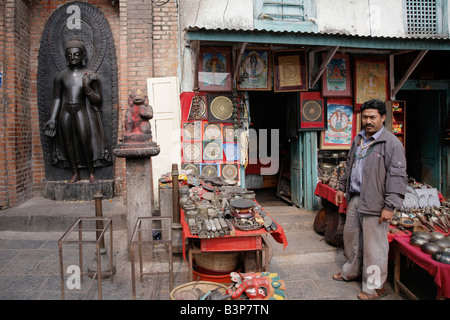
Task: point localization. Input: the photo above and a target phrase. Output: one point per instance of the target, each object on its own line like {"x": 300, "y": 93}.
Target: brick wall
{"x": 145, "y": 47}
{"x": 16, "y": 156}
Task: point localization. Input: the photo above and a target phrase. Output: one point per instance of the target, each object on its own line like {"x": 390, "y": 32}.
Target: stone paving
{"x": 30, "y": 268}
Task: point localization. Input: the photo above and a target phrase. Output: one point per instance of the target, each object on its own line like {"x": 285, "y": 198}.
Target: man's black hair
{"x": 374, "y": 104}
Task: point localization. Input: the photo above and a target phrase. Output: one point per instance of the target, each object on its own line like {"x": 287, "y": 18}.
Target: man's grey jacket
{"x": 384, "y": 179}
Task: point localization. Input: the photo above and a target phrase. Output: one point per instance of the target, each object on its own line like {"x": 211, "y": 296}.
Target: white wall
{"x": 361, "y": 17}
{"x": 213, "y": 14}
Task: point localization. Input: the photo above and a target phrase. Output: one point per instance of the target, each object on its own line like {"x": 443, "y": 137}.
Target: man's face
{"x": 74, "y": 56}
{"x": 372, "y": 121}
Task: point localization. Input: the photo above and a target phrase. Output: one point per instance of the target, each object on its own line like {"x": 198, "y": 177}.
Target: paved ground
{"x": 30, "y": 264}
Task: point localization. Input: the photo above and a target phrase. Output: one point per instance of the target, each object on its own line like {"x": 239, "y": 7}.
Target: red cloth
{"x": 185, "y": 102}
{"x": 328, "y": 193}
{"x": 278, "y": 234}
{"x": 440, "y": 271}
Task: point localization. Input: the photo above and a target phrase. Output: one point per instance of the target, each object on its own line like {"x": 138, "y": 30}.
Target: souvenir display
{"x": 222, "y": 208}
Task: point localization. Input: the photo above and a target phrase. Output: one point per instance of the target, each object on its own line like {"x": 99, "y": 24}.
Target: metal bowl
{"x": 436, "y": 235}
{"x": 441, "y": 256}
{"x": 417, "y": 241}
{"x": 443, "y": 243}
{"x": 430, "y": 247}
{"x": 423, "y": 234}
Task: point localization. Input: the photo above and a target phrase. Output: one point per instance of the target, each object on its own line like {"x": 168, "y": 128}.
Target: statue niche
{"x": 78, "y": 95}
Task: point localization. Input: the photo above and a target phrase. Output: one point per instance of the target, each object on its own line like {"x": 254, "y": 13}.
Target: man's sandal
{"x": 379, "y": 293}
{"x": 339, "y": 277}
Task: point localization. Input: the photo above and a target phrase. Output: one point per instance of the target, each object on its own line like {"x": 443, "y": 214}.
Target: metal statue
{"x": 76, "y": 111}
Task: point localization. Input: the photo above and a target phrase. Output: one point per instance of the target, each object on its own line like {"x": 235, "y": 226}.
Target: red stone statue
{"x": 137, "y": 117}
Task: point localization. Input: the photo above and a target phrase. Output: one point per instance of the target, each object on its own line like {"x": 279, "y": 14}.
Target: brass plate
{"x": 222, "y": 108}
{"x": 209, "y": 171}
{"x": 192, "y": 131}
{"x": 230, "y": 172}
{"x": 192, "y": 152}
{"x": 212, "y": 151}
{"x": 212, "y": 132}
{"x": 194, "y": 168}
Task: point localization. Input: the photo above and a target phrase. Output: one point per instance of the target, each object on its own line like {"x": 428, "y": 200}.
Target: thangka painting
{"x": 336, "y": 80}
{"x": 371, "y": 76}
{"x": 341, "y": 127}
{"x": 214, "y": 70}
{"x": 254, "y": 73}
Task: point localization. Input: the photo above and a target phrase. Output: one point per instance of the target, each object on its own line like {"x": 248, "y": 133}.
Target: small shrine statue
{"x": 257, "y": 286}
{"x": 137, "y": 117}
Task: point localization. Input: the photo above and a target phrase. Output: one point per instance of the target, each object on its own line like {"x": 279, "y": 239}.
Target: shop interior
{"x": 277, "y": 113}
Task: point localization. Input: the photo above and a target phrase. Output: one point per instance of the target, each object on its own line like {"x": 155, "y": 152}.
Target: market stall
{"x": 440, "y": 270}
{"x": 219, "y": 221}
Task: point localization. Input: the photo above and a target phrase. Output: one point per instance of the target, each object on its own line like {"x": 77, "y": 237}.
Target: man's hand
{"x": 386, "y": 216}
{"x": 339, "y": 197}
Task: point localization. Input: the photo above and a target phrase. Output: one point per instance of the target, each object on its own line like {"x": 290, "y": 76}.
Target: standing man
{"x": 75, "y": 89}
{"x": 374, "y": 185}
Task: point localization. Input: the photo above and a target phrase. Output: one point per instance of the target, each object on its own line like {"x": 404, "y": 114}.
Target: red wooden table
{"x": 440, "y": 271}
{"x": 252, "y": 240}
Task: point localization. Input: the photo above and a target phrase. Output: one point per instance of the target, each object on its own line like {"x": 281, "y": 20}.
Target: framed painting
{"x": 290, "y": 71}
{"x": 371, "y": 80}
{"x": 341, "y": 125}
{"x": 336, "y": 79}
{"x": 214, "y": 69}
{"x": 254, "y": 72}
{"x": 312, "y": 112}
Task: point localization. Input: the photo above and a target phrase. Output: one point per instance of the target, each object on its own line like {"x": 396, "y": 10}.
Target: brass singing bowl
{"x": 441, "y": 256}
{"x": 417, "y": 241}
{"x": 443, "y": 243}
{"x": 422, "y": 234}
{"x": 430, "y": 247}
{"x": 437, "y": 235}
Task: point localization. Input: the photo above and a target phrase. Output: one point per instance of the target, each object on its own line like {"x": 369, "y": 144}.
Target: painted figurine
{"x": 257, "y": 286}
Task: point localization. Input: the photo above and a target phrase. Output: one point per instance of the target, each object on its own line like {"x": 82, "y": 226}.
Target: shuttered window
{"x": 283, "y": 10}
{"x": 424, "y": 17}
{"x": 285, "y": 15}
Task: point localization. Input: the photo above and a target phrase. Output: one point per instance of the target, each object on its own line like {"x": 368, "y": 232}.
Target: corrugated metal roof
{"x": 342, "y": 39}
{"x": 319, "y": 33}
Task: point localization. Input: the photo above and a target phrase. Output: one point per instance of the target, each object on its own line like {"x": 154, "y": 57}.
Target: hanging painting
{"x": 254, "y": 73}
{"x": 336, "y": 79}
{"x": 312, "y": 112}
{"x": 214, "y": 69}
{"x": 371, "y": 80}
{"x": 341, "y": 125}
{"x": 290, "y": 72}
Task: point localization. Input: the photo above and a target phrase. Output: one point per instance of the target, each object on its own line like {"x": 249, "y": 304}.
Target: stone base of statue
{"x": 139, "y": 179}
{"x": 80, "y": 190}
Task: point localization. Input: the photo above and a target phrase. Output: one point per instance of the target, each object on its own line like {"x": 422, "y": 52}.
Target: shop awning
{"x": 318, "y": 39}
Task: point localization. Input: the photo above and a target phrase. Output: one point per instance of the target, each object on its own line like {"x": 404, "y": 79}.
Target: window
{"x": 424, "y": 17}
{"x": 283, "y": 10}
{"x": 285, "y": 15}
